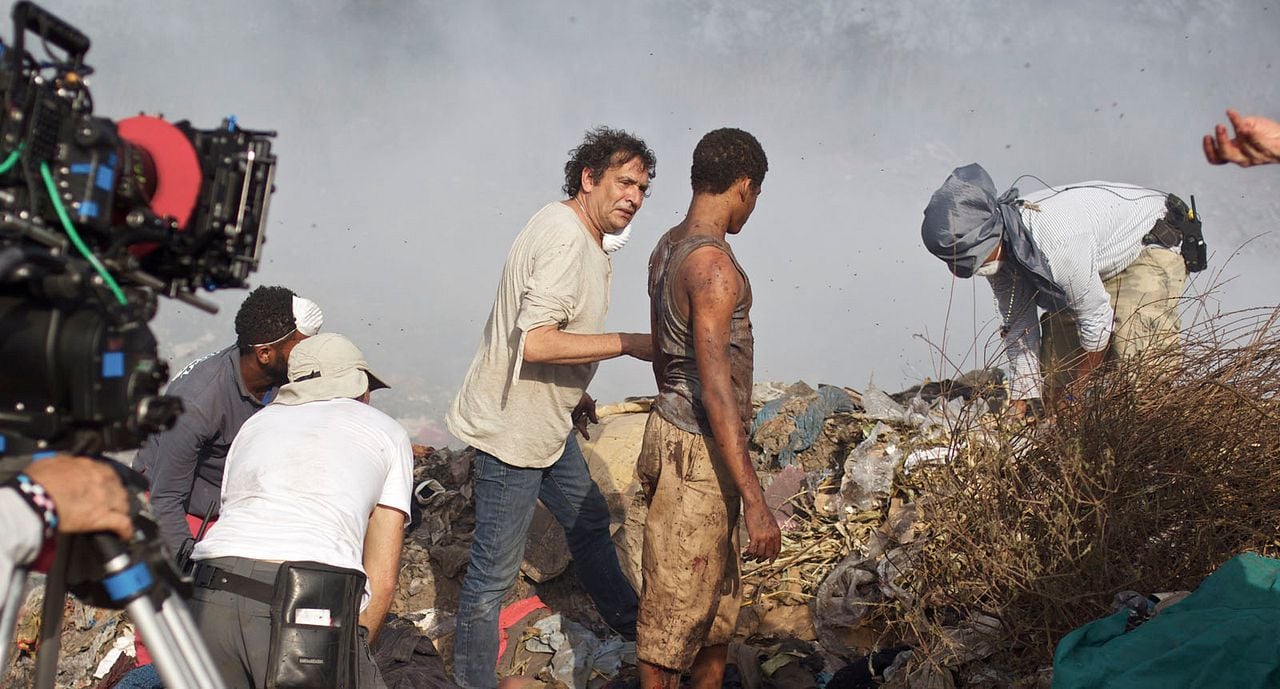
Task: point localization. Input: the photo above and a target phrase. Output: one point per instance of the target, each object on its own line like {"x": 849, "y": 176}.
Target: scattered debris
{"x": 903, "y": 520}
{"x": 785, "y": 427}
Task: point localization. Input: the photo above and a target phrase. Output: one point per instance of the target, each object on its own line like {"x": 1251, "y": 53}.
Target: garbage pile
{"x": 834, "y": 463}
{"x": 1162, "y": 469}
{"x": 97, "y": 644}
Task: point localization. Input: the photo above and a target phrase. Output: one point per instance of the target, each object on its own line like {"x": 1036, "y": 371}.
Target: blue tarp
{"x": 831, "y": 399}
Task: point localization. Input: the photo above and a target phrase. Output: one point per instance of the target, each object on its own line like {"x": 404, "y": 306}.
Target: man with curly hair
{"x": 219, "y": 392}
{"x": 693, "y": 467}
{"x": 526, "y": 391}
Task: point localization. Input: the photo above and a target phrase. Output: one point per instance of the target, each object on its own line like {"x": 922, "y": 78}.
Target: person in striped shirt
{"x": 1102, "y": 260}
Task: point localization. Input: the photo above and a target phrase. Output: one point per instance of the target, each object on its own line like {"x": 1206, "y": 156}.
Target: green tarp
{"x": 1225, "y": 634}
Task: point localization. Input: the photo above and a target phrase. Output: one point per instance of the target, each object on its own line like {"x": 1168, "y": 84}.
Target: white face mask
{"x": 614, "y": 241}
{"x": 988, "y": 269}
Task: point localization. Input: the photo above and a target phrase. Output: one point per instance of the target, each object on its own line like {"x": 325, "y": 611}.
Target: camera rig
{"x": 97, "y": 219}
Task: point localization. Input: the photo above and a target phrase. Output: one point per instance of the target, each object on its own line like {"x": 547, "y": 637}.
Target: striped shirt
{"x": 1088, "y": 232}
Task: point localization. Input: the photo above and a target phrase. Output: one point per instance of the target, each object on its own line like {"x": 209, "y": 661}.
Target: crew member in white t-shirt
{"x": 319, "y": 476}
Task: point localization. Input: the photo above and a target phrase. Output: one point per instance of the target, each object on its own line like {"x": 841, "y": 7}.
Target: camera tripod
{"x": 157, "y": 612}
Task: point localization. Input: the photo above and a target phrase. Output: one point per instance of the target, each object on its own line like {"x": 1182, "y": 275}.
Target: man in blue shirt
{"x": 219, "y": 392}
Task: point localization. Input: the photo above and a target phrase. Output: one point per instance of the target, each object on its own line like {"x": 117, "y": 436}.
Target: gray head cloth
{"x": 965, "y": 222}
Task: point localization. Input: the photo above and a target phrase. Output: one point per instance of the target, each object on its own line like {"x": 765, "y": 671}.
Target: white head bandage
{"x": 307, "y": 316}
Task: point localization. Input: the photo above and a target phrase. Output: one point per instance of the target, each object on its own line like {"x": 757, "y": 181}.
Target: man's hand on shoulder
{"x": 638, "y": 345}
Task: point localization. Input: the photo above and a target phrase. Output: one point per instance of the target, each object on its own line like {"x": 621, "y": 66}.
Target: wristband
{"x": 39, "y": 500}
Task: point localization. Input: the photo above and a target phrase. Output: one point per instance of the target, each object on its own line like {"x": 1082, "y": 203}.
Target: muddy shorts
{"x": 691, "y": 561}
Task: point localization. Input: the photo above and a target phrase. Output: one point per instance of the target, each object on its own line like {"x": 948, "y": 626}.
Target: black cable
{"x": 1105, "y": 187}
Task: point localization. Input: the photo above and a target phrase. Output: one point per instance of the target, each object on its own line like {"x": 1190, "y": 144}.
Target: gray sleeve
{"x": 173, "y": 457}
{"x": 21, "y": 538}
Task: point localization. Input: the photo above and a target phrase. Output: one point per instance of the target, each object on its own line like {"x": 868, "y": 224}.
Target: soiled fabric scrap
{"x": 577, "y": 653}
{"x": 808, "y": 423}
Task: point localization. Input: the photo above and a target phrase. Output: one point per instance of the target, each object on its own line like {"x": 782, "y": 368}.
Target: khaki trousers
{"x": 1145, "y": 297}
{"x": 691, "y": 563}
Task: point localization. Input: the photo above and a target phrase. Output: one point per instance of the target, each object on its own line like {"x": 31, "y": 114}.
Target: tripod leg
{"x": 9, "y": 618}
{"x": 163, "y": 646}
{"x": 127, "y": 580}
{"x": 179, "y": 653}
{"x": 55, "y": 597}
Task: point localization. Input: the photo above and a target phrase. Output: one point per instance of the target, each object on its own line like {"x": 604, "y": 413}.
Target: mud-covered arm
{"x": 712, "y": 284}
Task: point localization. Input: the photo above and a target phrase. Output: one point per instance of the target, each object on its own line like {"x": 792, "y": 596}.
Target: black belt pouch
{"x": 315, "y": 614}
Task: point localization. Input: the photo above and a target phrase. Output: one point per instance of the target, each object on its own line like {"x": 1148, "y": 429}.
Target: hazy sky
{"x": 416, "y": 138}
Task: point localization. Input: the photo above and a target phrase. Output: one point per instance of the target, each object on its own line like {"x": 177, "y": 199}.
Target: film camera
{"x": 97, "y": 219}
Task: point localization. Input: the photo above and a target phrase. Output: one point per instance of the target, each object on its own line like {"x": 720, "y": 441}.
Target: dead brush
{"x": 1167, "y": 467}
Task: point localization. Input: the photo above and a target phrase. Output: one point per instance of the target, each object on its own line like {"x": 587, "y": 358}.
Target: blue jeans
{"x": 505, "y": 500}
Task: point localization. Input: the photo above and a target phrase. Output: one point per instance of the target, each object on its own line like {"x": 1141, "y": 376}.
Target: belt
{"x": 1152, "y": 241}
{"x": 1163, "y": 234}
{"x": 217, "y": 579}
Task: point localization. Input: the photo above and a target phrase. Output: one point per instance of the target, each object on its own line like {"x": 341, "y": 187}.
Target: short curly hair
{"x": 266, "y": 315}
{"x": 725, "y": 156}
{"x": 601, "y": 149}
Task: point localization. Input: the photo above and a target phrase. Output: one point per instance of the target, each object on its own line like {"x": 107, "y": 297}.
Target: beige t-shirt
{"x": 517, "y": 411}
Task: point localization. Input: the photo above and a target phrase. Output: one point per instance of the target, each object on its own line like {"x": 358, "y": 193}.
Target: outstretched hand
{"x": 87, "y": 494}
{"x": 1256, "y": 142}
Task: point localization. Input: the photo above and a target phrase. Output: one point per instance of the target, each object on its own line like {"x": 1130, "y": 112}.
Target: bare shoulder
{"x": 710, "y": 274}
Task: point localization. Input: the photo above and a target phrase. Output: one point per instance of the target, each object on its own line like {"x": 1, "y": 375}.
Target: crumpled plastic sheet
{"x": 927, "y": 456}
{"x": 878, "y": 405}
{"x": 831, "y": 399}
{"x": 868, "y": 470}
{"x": 940, "y": 415}
{"x": 577, "y": 654}
{"x": 843, "y": 599}
{"x": 891, "y": 572}
{"x": 858, "y": 583}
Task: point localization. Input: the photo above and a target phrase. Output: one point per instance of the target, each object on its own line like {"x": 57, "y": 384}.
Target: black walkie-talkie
{"x": 1194, "y": 251}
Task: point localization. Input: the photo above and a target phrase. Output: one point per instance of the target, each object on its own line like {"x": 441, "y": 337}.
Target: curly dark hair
{"x": 725, "y": 156}
{"x": 601, "y": 149}
{"x": 265, "y": 316}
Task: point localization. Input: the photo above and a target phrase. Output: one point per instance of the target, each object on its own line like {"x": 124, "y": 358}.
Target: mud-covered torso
{"x": 679, "y": 398}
